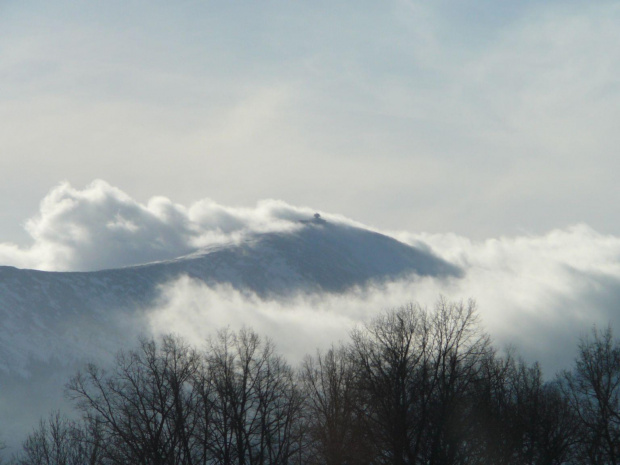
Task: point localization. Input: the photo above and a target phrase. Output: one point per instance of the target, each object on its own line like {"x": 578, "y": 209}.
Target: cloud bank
{"x": 537, "y": 292}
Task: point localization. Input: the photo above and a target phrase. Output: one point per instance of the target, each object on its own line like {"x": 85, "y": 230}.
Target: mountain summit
{"x": 53, "y": 321}
{"x": 315, "y": 257}
{"x": 318, "y": 256}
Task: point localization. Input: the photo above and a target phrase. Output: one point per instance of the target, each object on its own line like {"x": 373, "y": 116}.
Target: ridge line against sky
{"x": 100, "y": 226}
{"x": 537, "y": 292}
{"x": 474, "y": 117}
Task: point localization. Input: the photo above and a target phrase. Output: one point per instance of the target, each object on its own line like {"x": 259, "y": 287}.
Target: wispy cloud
{"x": 477, "y": 117}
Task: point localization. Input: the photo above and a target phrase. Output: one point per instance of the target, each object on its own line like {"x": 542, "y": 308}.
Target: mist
{"x": 537, "y": 294}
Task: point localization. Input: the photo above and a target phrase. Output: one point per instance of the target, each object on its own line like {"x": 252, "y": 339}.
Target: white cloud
{"x": 538, "y": 293}
{"x": 102, "y": 227}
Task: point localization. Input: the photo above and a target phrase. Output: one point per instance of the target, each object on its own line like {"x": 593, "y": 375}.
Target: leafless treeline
{"x": 410, "y": 387}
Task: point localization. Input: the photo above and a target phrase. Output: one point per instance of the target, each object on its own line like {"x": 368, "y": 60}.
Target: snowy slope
{"x": 56, "y": 313}
{"x": 53, "y": 321}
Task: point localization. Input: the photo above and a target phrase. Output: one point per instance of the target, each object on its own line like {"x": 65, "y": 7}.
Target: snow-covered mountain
{"x": 317, "y": 257}
{"x": 56, "y": 319}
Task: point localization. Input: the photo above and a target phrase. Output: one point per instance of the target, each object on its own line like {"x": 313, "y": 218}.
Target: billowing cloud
{"x": 539, "y": 294}
{"x": 102, "y": 227}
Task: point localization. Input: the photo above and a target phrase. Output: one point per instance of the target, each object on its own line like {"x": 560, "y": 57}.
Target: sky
{"x": 487, "y": 131}
{"x": 478, "y": 118}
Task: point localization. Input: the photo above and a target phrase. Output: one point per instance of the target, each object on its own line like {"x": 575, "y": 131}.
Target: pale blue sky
{"x": 476, "y": 117}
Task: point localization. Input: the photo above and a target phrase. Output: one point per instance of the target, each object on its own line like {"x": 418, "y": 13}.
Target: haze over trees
{"x": 412, "y": 386}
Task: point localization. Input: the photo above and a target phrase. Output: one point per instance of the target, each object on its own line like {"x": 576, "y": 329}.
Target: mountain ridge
{"x": 52, "y": 321}
{"x": 319, "y": 257}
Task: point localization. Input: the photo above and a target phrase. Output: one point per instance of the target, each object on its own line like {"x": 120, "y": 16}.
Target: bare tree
{"x": 390, "y": 355}
{"x": 60, "y": 441}
{"x": 491, "y": 435}
{"x": 415, "y": 369}
{"x": 254, "y": 401}
{"x": 146, "y": 406}
{"x": 556, "y": 428}
{"x": 413, "y": 386}
{"x": 518, "y": 418}
{"x": 337, "y": 429}
{"x": 458, "y": 351}
{"x": 593, "y": 389}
